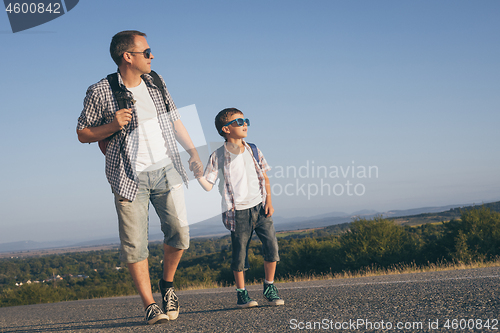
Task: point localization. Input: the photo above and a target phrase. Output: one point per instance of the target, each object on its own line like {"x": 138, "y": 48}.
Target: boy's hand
{"x": 269, "y": 209}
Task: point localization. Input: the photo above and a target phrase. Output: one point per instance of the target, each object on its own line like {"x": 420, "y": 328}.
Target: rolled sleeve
{"x": 212, "y": 169}
{"x": 262, "y": 161}
{"x": 91, "y": 115}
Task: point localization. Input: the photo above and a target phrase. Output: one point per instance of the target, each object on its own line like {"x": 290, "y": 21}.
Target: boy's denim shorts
{"x": 163, "y": 187}
{"x": 247, "y": 221}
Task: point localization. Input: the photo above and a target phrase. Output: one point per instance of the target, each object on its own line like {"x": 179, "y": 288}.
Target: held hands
{"x": 122, "y": 118}
{"x": 195, "y": 164}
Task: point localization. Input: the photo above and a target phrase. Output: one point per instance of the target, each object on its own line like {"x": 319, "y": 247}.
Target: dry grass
{"x": 365, "y": 272}
{"x": 393, "y": 270}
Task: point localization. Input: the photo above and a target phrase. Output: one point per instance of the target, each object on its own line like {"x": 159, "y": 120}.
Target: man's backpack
{"x": 122, "y": 99}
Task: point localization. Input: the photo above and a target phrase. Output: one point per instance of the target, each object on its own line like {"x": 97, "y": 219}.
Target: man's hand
{"x": 122, "y": 118}
{"x": 197, "y": 167}
{"x": 195, "y": 164}
{"x": 93, "y": 134}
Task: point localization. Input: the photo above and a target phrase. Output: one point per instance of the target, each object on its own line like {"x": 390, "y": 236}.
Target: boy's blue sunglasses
{"x": 238, "y": 121}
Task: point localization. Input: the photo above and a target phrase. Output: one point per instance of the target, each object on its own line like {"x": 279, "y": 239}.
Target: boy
{"x": 246, "y": 201}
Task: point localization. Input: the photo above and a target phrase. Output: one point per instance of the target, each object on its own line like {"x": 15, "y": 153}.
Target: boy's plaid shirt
{"x": 99, "y": 108}
{"x": 212, "y": 172}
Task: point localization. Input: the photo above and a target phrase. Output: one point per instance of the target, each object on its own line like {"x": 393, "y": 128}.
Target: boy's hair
{"x": 121, "y": 43}
{"x": 222, "y": 118}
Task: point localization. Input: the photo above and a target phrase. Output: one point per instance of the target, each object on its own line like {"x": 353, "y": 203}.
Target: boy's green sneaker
{"x": 244, "y": 301}
{"x": 271, "y": 293}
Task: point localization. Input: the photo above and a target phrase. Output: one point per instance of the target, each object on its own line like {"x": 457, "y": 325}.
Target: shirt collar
{"x": 148, "y": 79}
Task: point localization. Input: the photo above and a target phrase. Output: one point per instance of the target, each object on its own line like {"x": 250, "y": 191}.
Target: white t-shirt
{"x": 152, "y": 153}
{"x": 244, "y": 180}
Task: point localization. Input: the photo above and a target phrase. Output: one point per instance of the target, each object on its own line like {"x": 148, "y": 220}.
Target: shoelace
{"x": 152, "y": 310}
{"x": 244, "y": 297}
{"x": 171, "y": 299}
{"x": 271, "y": 292}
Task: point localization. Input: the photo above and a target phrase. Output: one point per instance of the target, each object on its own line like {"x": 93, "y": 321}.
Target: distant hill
{"x": 452, "y": 213}
{"x": 213, "y": 227}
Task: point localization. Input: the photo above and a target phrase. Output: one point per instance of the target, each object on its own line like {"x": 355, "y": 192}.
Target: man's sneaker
{"x": 154, "y": 315}
{"x": 170, "y": 302}
{"x": 244, "y": 301}
{"x": 271, "y": 293}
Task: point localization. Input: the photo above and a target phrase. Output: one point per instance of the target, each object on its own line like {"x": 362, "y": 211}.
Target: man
{"x": 142, "y": 165}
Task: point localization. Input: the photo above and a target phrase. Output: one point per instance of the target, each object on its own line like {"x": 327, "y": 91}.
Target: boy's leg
{"x": 265, "y": 231}
{"x": 264, "y": 228}
{"x": 239, "y": 279}
{"x": 240, "y": 241}
{"x": 270, "y": 270}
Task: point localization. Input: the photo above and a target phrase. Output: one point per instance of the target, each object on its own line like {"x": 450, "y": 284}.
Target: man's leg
{"x": 140, "y": 275}
{"x": 171, "y": 258}
{"x": 168, "y": 201}
{"x": 133, "y": 228}
{"x": 170, "y": 302}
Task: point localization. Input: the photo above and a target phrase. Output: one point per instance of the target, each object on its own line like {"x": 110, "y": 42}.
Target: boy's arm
{"x": 268, "y": 208}
{"x": 209, "y": 177}
{"x": 205, "y": 184}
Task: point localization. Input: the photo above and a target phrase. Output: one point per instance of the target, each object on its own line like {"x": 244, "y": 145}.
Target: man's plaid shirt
{"x": 99, "y": 108}
{"x": 225, "y": 186}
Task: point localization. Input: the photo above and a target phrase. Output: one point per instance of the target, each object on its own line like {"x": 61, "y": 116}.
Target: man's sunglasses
{"x": 146, "y": 52}
{"x": 238, "y": 121}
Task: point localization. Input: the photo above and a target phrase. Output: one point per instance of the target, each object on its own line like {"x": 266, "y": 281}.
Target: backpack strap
{"x": 220, "y": 157}
{"x": 118, "y": 92}
{"x": 220, "y": 154}
{"x": 159, "y": 84}
{"x": 122, "y": 99}
{"x": 255, "y": 152}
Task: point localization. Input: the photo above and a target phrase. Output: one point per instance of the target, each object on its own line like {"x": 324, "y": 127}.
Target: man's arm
{"x": 93, "y": 134}
{"x": 182, "y": 135}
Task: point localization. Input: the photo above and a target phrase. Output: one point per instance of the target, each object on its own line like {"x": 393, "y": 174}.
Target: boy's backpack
{"x": 220, "y": 154}
{"x": 221, "y": 159}
{"x": 122, "y": 99}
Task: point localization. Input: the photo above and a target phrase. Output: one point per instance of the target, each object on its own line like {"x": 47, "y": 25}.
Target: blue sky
{"x": 409, "y": 88}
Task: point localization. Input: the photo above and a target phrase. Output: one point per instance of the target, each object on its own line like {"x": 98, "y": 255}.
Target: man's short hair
{"x": 222, "y": 118}
{"x": 122, "y": 42}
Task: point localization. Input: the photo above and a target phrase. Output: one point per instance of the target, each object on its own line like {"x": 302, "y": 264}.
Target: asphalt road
{"x": 423, "y": 302}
